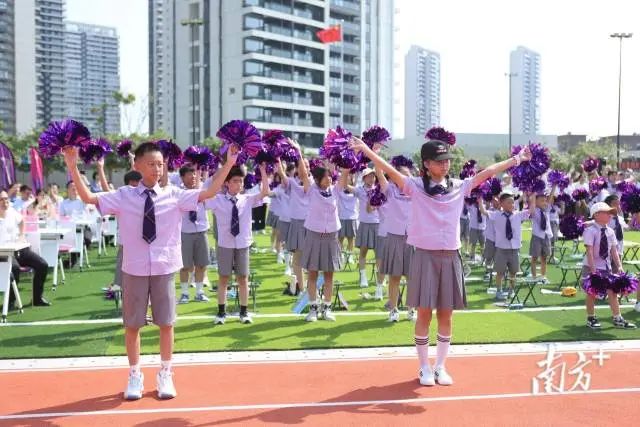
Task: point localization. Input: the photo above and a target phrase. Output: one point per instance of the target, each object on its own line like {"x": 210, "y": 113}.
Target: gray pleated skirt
{"x": 272, "y": 219}
{"x": 381, "y": 242}
{"x": 366, "y": 235}
{"x": 295, "y": 237}
{"x": 396, "y": 256}
{"x": 436, "y": 280}
{"x": 283, "y": 230}
{"x": 321, "y": 252}
{"x": 348, "y": 228}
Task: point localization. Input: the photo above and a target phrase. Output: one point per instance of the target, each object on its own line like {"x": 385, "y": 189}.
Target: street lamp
{"x": 195, "y": 71}
{"x": 619, "y": 36}
{"x": 511, "y": 76}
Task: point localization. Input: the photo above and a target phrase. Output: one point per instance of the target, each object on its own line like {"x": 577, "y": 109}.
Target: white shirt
{"x": 10, "y": 226}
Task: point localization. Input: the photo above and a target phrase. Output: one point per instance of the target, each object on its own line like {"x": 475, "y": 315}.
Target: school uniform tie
{"x": 543, "y": 220}
{"x": 479, "y": 215}
{"x": 436, "y": 190}
{"x": 193, "y": 216}
{"x": 326, "y": 193}
{"x": 465, "y": 210}
{"x": 149, "y": 218}
{"x": 604, "y": 244}
{"x": 508, "y": 230}
{"x": 235, "y": 218}
{"x": 618, "y": 228}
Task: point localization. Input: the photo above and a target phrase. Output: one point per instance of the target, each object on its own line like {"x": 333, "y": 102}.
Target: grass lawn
{"x": 81, "y": 298}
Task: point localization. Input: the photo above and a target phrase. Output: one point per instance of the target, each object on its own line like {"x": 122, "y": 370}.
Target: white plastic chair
{"x": 73, "y": 243}
{"x": 108, "y": 228}
{"x": 48, "y": 248}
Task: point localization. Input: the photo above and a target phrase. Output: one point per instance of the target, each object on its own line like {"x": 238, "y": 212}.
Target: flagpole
{"x": 341, "y": 121}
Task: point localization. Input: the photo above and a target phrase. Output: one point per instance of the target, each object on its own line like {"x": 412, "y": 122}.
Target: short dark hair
{"x": 95, "y": 174}
{"x": 132, "y": 176}
{"x": 290, "y": 167}
{"x": 611, "y": 173}
{"x": 186, "y": 169}
{"x": 144, "y": 148}
{"x": 235, "y": 171}
{"x": 505, "y": 196}
{"x": 319, "y": 173}
{"x": 611, "y": 198}
{"x": 69, "y": 183}
{"x": 24, "y": 187}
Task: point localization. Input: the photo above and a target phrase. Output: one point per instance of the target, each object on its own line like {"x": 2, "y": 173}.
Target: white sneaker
{"x": 379, "y": 295}
{"x": 442, "y": 377}
{"x": 412, "y": 315}
{"x": 135, "y": 387}
{"x": 637, "y": 307}
{"x": 166, "y": 390}
{"x": 280, "y": 258}
{"x": 184, "y": 299}
{"x": 364, "y": 283}
{"x": 246, "y": 319}
{"x": 201, "y": 298}
{"x": 425, "y": 376}
{"x": 394, "y": 315}
{"x": 312, "y": 316}
{"x": 287, "y": 270}
{"x": 220, "y": 319}
{"x": 327, "y": 314}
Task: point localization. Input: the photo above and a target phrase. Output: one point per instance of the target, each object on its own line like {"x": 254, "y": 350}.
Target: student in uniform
{"x": 233, "y": 211}
{"x": 541, "y": 235}
{"x": 368, "y": 223}
{"x": 348, "y": 214}
{"x": 477, "y": 226}
{"x": 436, "y": 275}
{"x": 149, "y": 219}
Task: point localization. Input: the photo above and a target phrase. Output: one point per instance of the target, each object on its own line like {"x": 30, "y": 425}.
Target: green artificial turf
{"x": 81, "y": 298}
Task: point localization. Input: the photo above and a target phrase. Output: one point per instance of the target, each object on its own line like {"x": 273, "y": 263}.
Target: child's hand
{"x": 70, "y": 155}
{"x": 356, "y": 144}
{"x": 232, "y": 154}
{"x": 294, "y": 144}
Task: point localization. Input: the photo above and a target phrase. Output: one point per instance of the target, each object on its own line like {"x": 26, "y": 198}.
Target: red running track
{"x": 489, "y": 390}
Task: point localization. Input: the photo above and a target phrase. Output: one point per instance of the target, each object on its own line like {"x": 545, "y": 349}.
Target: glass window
{"x": 253, "y": 113}
{"x": 253, "y": 68}
{"x": 252, "y": 91}
{"x": 253, "y": 45}
{"x": 252, "y": 22}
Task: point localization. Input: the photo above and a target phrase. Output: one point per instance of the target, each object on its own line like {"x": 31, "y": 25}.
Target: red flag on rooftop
{"x": 330, "y": 35}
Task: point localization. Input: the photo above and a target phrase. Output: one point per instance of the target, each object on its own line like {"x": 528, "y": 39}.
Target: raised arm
{"x": 532, "y": 205}
{"x": 303, "y": 173}
{"x": 70, "y": 155}
{"x": 284, "y": 179}
{"x": 218, "y": 179}
{"x": 264, "y": 184}
{"x": 358, "y": 145}
{"x": 500, "y": 167}
{"x": 481, "y": 207}
{"x": 101, "y": 176}
{"x": 344, "y": 178}
{"x": 382, "y": 180}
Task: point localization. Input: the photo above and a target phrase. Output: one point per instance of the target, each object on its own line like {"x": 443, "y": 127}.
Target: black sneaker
{"x": 620, "y": 323}
{"x": 593, "y": 323}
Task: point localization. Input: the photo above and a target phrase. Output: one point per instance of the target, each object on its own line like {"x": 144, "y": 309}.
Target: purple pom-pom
{"x": 468, "y": 169}
{"x": 315, "y": 163}
{"x": 376, "y": 197}
{"x": 580, "y": 194}
{"x": 623, "y": 283}
{"x": 249, "y": 181}
{"x": 95, "y": 150}
{"x": 275, "y": 142}
{"x": 491, "y": 188}
{"x": 437, "y": 133}
{"x": 401, "y": 161}
{"x": 265, "y": 156}
{"x": 242, "y": 134}
{"x": 526, "y": 174}
{"x": 198, "y": 155}
{"x": 335, "y": 141}
{"x": 375, "y": 135}
{"x": 596, "y": 284}
{"x": 123, "y": 148}
{"x": 597, "y": 184}
{"x": 563, "y": 198}
{"x": 572, "y": 226}
{"x": 559, "y": 179}
{"x": 214, "y": 164}
{"x": 625, "y": 186}
{"x": 290, "y": 155}
{"x": 590, "y": 164}
{"x": 630, "y": 200}
{"x": 171, "y": 152}
{"x": 65, "y": 133}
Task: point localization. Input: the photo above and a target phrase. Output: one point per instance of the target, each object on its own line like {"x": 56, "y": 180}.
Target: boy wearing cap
{"x": 541, "y": 235}
{"x": 602, "y": 257}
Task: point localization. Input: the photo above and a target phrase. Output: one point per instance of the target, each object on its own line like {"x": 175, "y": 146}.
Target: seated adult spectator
{"x": 24, "y": 199}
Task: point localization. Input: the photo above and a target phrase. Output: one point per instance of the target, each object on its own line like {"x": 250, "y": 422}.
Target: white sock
{"x": 166, "y": 365}
{"x": 422, "y": 346}
{"x": 287, "y": 257}
{"x": 199, "y": 286}
{"x": 184, "y": 287}
{"x": 363, "y": 273}
{"x": 442, "y": 350}
{"x": 134, "y": 369}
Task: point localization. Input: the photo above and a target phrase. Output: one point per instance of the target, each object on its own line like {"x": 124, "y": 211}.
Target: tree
{"x": 605, "y": 150}
{"x": 456, "y": 163}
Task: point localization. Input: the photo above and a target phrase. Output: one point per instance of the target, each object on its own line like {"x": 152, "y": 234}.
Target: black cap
{"x": 435, "y": 150}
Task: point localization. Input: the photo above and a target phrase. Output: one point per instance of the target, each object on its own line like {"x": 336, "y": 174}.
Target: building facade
{"x": 212, "y": 61}
{"x": 422, "y": 91}
{"x": 7, "y": 68}
{"x": 525, "y": 91}
{"x": 92, "y": 76}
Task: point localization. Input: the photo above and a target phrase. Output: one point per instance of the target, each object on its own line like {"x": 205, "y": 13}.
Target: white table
{"x": 6, "y": 256}
{"x": 47, "y": 240}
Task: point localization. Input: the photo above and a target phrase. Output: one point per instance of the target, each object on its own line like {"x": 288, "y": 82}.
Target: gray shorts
{"x": 233, "y": 260}
{"x": 195, "y": 249}
{"x": 117, "y": 274}
{"x": 506, "y": 260}
{"x": 137, "y": 290}
{"x": 464, "y": 228}
{"x": 539, "y": 247}
{"x": 476, "y": 236}
{"x": 489, "y": 251}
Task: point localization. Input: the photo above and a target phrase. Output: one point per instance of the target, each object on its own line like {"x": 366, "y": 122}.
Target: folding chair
{"x": 565, "y": 269}
{"x": 528, "y": 283}
{"x": 108, "y": 228}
